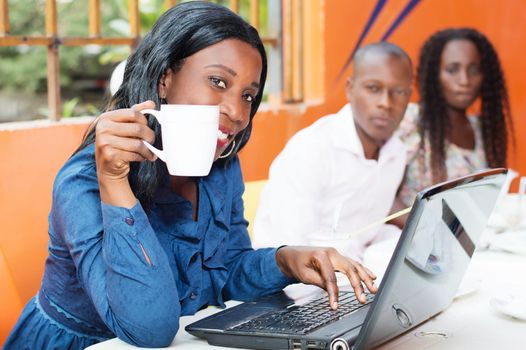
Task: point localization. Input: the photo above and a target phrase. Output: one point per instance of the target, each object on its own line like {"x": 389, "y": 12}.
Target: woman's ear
{"x": 165, "y": 83}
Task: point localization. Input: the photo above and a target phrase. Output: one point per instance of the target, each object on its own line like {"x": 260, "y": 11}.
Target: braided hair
{"x": 495, "y": 111}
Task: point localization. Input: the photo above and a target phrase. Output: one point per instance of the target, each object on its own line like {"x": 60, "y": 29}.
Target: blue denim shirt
{"x": 97, "y": 275}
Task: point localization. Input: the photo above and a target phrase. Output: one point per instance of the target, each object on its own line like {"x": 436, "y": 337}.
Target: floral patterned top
{"x": 459, "y": 161}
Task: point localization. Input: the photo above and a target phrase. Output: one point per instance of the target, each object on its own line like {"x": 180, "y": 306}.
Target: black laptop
{"x": 421, "y": 280}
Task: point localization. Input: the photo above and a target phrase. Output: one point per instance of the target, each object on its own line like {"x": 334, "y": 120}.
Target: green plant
{"x": 68, "y": 107}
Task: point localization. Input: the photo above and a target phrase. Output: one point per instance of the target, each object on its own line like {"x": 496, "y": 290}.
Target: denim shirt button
{"x": 129, "y": 221}
{"x": 193, "y": 296}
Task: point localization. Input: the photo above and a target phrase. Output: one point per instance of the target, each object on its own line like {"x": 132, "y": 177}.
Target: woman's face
{"x": 225, "y": 74}
{"x": 460, "y": 73}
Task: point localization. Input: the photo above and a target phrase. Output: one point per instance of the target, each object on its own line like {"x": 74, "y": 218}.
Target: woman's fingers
{"x": 119, "y": 139}
{"x": 135, "y": 147}
{"x": 357, "y": 275}
{"x": 132, "y": 130}
{"x": 328, "y": 276}
{"x": 317, "y": 266}
{"x": 320, "y": 272}
{"x": 143, "y": 105}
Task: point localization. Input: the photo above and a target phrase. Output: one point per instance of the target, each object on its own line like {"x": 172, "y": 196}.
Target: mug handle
{"x": 154, "y": 150}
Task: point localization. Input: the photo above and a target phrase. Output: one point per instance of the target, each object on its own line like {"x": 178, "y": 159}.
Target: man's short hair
{"x": 382, "y": 47}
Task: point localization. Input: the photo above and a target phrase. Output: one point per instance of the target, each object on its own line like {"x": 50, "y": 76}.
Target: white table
{"x": 469, "y": 323}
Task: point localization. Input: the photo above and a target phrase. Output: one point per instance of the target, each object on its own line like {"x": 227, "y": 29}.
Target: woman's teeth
{"x": 221, "y": 135}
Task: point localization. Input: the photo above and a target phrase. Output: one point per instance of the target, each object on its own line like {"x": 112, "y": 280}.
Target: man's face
{"x": 379, "y": 91}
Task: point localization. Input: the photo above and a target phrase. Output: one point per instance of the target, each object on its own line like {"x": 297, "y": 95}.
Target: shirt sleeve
{"x": 252, "y": 273}
{"x": 119, "y": 261}
{"x": 289, "y": 206}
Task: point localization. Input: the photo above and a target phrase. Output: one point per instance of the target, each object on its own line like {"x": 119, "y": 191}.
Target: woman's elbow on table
{"x": 155, "y": 331}
{"x": 152, "y": 337}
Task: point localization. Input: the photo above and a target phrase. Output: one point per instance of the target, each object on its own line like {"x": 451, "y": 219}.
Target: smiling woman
{"x": 233, "y": 85}
{"x": 132, "y": 248}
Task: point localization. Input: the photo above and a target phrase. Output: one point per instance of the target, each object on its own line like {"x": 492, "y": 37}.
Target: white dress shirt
{"x": 321, "y": 184}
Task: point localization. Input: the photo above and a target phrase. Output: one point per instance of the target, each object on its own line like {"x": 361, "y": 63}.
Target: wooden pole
{"x": 234, "y": 5}
{"x": 135, "y": 21}
{"x": 94, "y": 18}
{"x": 4, "y": 18}
{"x": 53, "y": 65}
{"x": 170, "y": 3}
{"x": 254, "y": 13}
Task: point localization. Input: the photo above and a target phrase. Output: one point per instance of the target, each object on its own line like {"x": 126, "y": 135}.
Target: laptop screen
{"x": 432, "y": 255}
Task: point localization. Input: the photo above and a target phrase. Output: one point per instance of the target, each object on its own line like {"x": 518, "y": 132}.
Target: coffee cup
{"x": 189, "y": 137}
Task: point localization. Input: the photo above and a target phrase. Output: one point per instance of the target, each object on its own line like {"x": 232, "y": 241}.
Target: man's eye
{"x": 401, "y": 92}
{"x": 248, "y": 98}
{"x": 218, "y": 82}
{"x": 373, "y": 88}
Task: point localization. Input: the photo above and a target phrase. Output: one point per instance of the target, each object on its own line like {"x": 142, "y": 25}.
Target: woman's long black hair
{"x": 179, "y": 33}
{"x": 495, "y": 111}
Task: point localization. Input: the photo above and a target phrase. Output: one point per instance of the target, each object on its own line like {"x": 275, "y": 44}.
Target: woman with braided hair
{"x": 456, "y": 68}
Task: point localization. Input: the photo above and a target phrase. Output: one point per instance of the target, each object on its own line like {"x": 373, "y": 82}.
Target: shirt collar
{"x": 216, "y": 186}
{"x": 346, "y": 136}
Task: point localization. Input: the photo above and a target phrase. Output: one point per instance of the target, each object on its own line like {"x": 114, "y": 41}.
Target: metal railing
{"x": 284, "y": 43}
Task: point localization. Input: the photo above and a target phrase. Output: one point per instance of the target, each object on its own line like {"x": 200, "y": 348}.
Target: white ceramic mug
{"x": 189, "y": 134}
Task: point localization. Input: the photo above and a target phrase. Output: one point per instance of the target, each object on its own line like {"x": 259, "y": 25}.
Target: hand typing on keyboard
{"x": 313, "y": 265}
{"x": 302, "y": 319}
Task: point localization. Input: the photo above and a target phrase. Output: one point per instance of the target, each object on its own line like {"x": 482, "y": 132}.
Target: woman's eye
{"x": 474, "y": 70}
{"x": 218, "y": 82}
{"x": 452, "y": 69}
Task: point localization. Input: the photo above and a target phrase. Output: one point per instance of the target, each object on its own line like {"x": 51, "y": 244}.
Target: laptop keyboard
{"x": 301, "y": 319}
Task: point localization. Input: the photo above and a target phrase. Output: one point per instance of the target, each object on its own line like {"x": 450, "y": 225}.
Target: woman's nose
{"x": 232, "y": 108}
{"x": 463, "y": 77}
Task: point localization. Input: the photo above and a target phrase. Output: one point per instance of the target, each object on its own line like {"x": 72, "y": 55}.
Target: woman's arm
{"x": 253, "y": 273}
{"x": 119, "y": 260}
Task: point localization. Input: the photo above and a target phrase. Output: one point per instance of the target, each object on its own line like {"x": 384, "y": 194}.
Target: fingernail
{"x": 363, "y": 297}
{"x": 335, "y": 305}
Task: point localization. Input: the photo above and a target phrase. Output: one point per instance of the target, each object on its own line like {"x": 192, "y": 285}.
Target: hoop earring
{"x": 229, "y": 152}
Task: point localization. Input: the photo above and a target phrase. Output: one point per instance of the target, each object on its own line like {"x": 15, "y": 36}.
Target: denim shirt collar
{"x": 216, "y": 186}
{"x": 215, "y": 208}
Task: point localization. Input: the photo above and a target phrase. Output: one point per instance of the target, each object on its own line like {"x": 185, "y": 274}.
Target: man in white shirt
{"x": 342, "y": 172}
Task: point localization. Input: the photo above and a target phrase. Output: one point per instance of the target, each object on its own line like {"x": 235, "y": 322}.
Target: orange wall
{"x": 30, "y": 157}
{"x": 332, "y": 29}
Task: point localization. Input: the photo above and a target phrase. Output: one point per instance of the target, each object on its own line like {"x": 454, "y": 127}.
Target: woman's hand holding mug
{"x": 119, "y": 141}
